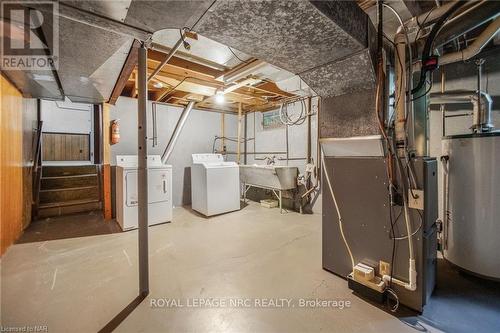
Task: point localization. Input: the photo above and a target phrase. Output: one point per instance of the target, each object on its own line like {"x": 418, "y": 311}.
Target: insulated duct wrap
{"x": 346, "y": 76}
{"x": 349, "y": 115}
{"x": 327, "y": 43}
{"x": 295, "y": 35}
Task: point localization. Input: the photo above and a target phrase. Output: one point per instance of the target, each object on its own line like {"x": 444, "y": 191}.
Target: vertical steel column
{"x": 479, "y": 64}
{"x": 222, "y": 133}
{"x": 309, "y": 115}
{"x": 287, "y": 146}
{"x": 238, "y": 150}
{"x": 442, "y": 107}
{"x": 142, "y": 180}
{"x": 246, "y": 140}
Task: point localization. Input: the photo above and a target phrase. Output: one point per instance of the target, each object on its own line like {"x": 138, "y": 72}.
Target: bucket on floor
{"x": 269, "y": 203}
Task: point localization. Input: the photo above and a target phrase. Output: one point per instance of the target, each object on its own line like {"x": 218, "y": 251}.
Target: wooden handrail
{"x": 37, "y": 169}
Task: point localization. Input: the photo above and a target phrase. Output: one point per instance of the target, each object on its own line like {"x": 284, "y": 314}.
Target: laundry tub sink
{"x": 269, "y": 176}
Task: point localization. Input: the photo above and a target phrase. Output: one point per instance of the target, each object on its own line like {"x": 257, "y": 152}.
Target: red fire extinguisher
{"x": 115, "y": 131}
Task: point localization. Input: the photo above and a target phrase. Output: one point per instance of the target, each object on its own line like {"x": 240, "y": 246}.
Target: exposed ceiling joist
{"x": 242, "y": 71}
{"x": 127, "y": 70}
{"x": 184, "y": 64}
{"x": 190, "y": 57}
{"x": 180, "y": 81}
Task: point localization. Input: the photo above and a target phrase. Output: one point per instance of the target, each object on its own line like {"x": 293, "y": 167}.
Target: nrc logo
{"x": 30, "y": 35}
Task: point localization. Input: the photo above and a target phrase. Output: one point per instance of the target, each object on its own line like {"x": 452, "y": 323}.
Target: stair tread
{"x": 70, "y": 166}
{"x": 67, "y": 203}
{"x": 68, "y": 170}
{"x": 71, "y": 176}
{"x": 69, "y": 188}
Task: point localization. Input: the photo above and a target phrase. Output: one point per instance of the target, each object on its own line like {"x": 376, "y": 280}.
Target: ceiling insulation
{"x": 82, "y": 55}
{"x": 154, "y": 15}
{"x": 294, "y": 35}
{"x": 113, "y": 9}
{"x": 205, "y": 48}
{"x": 352, "y": 74}
{"x": 298, "y": 36}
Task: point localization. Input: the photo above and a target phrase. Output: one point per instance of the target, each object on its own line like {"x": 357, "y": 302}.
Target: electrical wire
{"x": 241, "y": 60}
{"x": 413, "y": 233}
{"x": 228, "y": 139}
{"x": 420, "y": 26}
{"x": 337, "y": 208}
{"x": 396, "y": 298}
{"x": 425, "y": 93}
{"x": 427, "y": 51}
{"x": 405, "y": 210}
{"x": 412, "y": 180}
{"x": 286, "y": 119}
{"x": 393, "y": 254}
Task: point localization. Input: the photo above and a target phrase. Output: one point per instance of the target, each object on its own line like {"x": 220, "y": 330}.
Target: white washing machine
{"x": 159, "y": 191}
{"x": 215, "y": 184}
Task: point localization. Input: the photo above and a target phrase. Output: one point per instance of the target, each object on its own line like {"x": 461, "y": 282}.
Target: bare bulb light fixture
{"x": 219, "y": 97}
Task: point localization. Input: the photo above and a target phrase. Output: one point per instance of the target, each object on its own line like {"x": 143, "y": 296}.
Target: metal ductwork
{"x": 323, "y": 42}
{"x": 482, "y": 121}
{"x": 476, "y": 47}
{"x": 177, "y": 131}
{"x": 468, "y": 20}
{"x": 299, "y": 36}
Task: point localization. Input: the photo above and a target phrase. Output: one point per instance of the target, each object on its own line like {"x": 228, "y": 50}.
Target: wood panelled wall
{"x": 18, "y": 118}
{"x": 106, "y": 162}
{"x": 66, "y": 147}
{"x": 11, "y": 160}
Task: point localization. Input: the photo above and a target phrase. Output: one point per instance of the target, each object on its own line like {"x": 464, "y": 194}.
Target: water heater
{"x": 471, "y": 228}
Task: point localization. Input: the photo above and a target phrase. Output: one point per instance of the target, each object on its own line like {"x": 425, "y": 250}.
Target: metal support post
{"x": 142, "y": 180}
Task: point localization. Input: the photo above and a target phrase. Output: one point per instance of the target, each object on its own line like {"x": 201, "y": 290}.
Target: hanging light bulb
{"x": 219, "y": 97}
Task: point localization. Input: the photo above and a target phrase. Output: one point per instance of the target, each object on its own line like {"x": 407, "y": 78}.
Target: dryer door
{"x": 131, "y": 188}
{"x": 159, "y": 186}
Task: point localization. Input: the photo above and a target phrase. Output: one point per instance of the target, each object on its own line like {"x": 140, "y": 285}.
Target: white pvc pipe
{"x": 471, "y": 51}
{"x": 476, "y": 47}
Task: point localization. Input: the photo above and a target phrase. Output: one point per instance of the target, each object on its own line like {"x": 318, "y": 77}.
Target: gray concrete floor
{"x": 68, "y": 226}
{"x": 79, "y": 284}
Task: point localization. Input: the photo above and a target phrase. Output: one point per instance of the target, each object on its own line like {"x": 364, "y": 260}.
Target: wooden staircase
{"x": 69, "y": 189}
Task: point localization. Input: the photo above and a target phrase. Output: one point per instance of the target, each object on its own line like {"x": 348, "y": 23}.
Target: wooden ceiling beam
{"x": 271, "y": 87}
{"x": 127, "y": 69}
{"x": 190, "y": 57}
{"x": 158, "y": 57}
{"x": 184, "y": 80}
